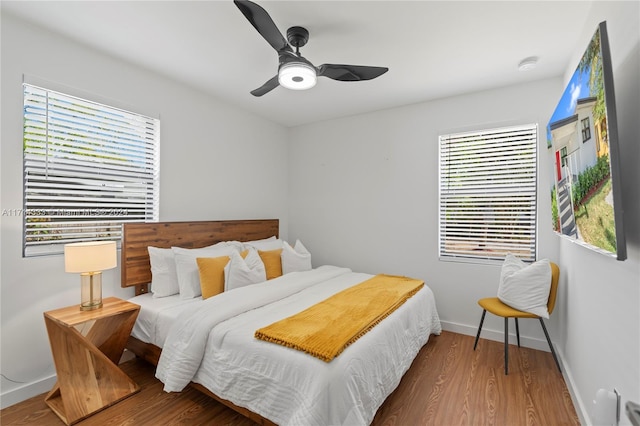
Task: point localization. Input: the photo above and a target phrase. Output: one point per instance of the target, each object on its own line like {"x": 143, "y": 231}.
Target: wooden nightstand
{"x": 89, "y": 378}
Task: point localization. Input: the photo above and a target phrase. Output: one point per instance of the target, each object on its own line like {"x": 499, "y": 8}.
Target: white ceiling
{"x": 434, "y": 49}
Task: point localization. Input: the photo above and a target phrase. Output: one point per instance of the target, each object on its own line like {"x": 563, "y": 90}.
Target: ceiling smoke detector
{"x": 528, "y": 63}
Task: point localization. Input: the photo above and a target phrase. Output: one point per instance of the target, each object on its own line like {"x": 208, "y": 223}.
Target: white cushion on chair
{"x": 525, "y": 287}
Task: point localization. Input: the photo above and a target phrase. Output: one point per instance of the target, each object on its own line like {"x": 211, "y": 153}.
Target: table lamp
{"x": 89, "y": 259}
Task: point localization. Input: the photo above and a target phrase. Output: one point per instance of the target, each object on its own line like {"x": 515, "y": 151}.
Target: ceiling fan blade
{"x": 262, "y": 22}
{"x": 350, "y": 72}
{"x": 267, "y": 87}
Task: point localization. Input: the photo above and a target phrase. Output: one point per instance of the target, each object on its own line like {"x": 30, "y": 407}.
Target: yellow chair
{"x": 496, "y": 307}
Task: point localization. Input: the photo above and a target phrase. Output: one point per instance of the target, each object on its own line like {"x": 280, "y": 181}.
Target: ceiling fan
{"x": 294, "y": 71}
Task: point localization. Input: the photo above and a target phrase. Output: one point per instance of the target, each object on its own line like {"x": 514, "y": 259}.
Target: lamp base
{"x": 90, "y": 307}
{"x": 90, "y": 291}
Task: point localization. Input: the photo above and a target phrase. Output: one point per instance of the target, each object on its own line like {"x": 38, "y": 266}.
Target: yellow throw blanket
{"x": 325, "y": 329}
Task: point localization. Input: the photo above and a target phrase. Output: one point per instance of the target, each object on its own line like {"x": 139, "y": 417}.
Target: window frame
{"x": 585, "y": 129}
{"x": 88, "y": 167}
{"x": 474, "y": 177}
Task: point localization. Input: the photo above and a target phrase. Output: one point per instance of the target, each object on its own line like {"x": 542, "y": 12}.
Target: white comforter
{"x": 215, "y": 346}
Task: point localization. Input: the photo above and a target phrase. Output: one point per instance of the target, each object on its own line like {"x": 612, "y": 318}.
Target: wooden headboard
{"x": 136, "y": 237}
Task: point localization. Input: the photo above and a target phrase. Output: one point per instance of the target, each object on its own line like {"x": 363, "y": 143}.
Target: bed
{"x": 210, "y": 344}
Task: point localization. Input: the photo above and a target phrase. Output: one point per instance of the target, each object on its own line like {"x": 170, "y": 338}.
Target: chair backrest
{"x": 553, "y": 291}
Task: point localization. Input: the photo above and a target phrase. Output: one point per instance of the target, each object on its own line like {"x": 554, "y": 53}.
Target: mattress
{"x": 157, "y": 314}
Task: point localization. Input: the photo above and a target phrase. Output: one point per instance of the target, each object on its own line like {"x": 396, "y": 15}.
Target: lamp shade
{"x": 92, "y": 256}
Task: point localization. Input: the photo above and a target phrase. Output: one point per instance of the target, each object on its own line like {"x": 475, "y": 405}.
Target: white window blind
{"x": 88, "y": 168}
{"x": 488, "y": 194}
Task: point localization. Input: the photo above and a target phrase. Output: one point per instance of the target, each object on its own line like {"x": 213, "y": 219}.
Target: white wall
{"x": 363, "y": 193}
{"x": 600, "y": 332}
{"x": 217, "y": 162}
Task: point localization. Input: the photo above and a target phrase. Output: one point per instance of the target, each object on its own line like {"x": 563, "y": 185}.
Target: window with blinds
{"x": 88, "y": 168}
{"x": 487, "y": 200}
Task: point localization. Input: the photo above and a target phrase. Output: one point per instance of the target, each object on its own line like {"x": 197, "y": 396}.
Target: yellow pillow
{"x": 272, "y": 262}
{"x": 211, "y": 271}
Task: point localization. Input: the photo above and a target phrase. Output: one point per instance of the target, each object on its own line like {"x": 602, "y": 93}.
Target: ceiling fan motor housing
{"x": 297, "y": 36}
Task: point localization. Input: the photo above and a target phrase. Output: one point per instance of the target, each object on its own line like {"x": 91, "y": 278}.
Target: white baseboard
{"x": 496, "y": 335}
{"x": 578, "y": 402}
{"x": 528, "y": 342}
{"x": 26, "y": 391}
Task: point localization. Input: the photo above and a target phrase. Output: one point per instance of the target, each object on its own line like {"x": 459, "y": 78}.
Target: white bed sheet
{"x": 157, "y": 315}
{"x": 284, "y": 385}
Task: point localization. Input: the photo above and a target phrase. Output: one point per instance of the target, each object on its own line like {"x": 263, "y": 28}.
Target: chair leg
{"x": 484, "y": 312}
{"x": 517, "y": 331}
{"x": 506, "y": 345}
{"x": 550, "y": 345}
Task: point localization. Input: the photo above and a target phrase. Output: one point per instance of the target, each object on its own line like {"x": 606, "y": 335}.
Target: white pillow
{"x": 271, "y": 243}
{"x": 164, "y": 278}
{"x": 295, "y": 258}
{"x": 237, "y": 244}
{"x": 240, "y": 272}
{"x": 271, "y": 238}
{"x": 525, "y": 287}
{"x": 187, "y": 266}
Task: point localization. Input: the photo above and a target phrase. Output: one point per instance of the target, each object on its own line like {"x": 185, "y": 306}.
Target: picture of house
{"x": 578, "y": 140}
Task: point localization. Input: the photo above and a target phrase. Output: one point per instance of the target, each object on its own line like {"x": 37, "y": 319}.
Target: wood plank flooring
{"x": 448, "y": 384}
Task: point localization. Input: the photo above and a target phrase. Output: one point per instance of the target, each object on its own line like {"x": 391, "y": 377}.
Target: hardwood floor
{"x": 448, "y": 384}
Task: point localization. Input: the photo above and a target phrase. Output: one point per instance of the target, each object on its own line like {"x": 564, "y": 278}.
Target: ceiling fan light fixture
{"x": 297, "y": 76}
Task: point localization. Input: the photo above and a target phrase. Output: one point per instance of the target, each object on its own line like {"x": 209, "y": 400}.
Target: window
{"x": 88, "y": 168}
{"x": 586, "y": 129}
{"x": 488, "y": 194}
